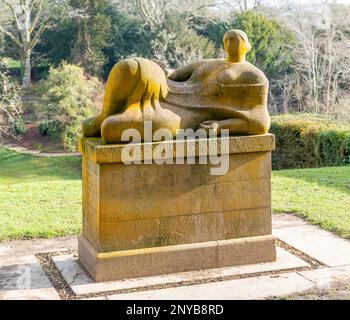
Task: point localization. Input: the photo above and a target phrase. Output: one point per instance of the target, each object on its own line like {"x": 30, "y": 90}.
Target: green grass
{"x": 320, "y": 195}
{"x": 41, "y": 197}
{"x": 12, "y": 64}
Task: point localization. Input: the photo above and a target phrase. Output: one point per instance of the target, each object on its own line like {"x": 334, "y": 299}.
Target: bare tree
{"x": 26, "y": 22}
{"x": 241, "y": 5}
{"x": 10, "y": 105}
{"x": 153, "y": 11}
{"x": 322, "y": 65}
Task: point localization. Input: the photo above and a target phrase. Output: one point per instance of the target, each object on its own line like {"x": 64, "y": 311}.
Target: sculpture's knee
{"x": 91, "y": 127}
{"x": 260, "y": 126}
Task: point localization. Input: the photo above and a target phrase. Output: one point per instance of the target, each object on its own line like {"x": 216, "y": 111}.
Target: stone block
{"x": 151, "y": 261}
{"x": 173, "y": 210}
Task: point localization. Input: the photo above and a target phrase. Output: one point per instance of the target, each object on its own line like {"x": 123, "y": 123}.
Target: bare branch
{"x": 37, "y": 16}
{"x": 14, "y": 14}
{"x": 10, "y": 35}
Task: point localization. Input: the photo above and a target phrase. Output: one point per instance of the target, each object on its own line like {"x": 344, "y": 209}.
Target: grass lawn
{"x": 12, "y": 64}
{"x": 321, "y": 195}
{"x": 41, "y": 197}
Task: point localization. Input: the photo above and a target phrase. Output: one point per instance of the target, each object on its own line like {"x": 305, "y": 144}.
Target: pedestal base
{"x": 150, "y": 219}
{"x": 172, "y": 259}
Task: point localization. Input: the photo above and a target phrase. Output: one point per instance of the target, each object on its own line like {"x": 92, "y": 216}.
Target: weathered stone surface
{"x": 22, "y": 278}
{"x": 176, "y": 258}
{"x": 242, "y": 167}
{"x": 81, "y": 283}
{"x": 10, "y": 251}
{"x": 242, "y": 289}
{"x": 229, "y": 94}
{"x": 133, "y": 234}
{"x": 244, "y": 223}
{"x": 246, "y": 251}
{"x": 98, "y": 152}
{"x": 319, "y": 244}
{"x": 138, "y": 207}
{"x": 325, "y": 276}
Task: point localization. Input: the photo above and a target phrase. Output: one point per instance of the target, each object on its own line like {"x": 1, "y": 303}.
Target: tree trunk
{"x": 26, "y": 69}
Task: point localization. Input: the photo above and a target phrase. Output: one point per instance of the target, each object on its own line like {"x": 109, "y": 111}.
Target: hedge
{"x": 305, "y": 141}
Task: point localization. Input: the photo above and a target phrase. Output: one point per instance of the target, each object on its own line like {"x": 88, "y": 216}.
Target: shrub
{"x": 66, "y": 97}
{"x": 176, "y": 45}
{"x": 52, "y": 129}
{"x": 17, "y": 126}
{"x": 303, "y": 141}
{"x": 11, "y": 121}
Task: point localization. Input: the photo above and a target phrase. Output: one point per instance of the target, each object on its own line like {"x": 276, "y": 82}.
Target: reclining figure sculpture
{"x": 213, "y": 94}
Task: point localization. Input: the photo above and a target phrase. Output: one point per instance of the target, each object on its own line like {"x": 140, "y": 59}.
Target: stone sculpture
{"x": 213, "y": 94}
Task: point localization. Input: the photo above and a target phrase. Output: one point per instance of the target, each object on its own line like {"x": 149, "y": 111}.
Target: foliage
{"x": 56, "y": 43}
{"x": 93, "y": 25}
{"x": 66, "y": 97}
{"x": 176, "y": 44}
{"x": 270, "y": 42}
{"x": 304, "y": 141}
{"x": 173, "y": 41}
{"x": 11, "y": 121}
{"x": 321, "y": 61}
{"x": 211, "y": 28}
{"x": 129, "y": 37}
{"x": 23, "y": 27}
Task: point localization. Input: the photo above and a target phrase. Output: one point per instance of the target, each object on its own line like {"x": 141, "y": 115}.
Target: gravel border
{"x": 66, "y": 293}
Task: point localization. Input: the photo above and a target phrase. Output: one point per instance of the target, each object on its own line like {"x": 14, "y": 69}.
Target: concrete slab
{"x": 95, "y": 298}
{"x": 23, "y": 278}
{"x": 248, "y": 288}
{"x": 317, "y": 243}
{"x": 32, "y": 294}
{"x": 4, "y": 249}
{"x": 81, "y": 283}
{"x": 325, "y": 276}
{"x": 26, "y": 247}
{"x": 283, "y": 220}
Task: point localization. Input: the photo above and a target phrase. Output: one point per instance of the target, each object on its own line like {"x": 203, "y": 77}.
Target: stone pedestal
{"x": 149, "y": 219}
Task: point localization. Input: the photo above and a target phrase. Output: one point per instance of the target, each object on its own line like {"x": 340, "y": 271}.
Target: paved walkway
{"x": 308, "y": 258}
{"x": 36, "y": 153}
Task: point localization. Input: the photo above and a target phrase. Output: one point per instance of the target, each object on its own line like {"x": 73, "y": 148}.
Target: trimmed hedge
{"x": 305, "y": 141}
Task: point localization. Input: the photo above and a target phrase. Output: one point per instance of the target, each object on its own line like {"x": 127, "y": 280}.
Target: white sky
{"x": 309, "y": 1}
{"x": 314, "y": 1}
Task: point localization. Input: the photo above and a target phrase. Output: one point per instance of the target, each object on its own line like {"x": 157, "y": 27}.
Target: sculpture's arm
{"x": 184, "y": 73}
{"x": 234, "y": 125}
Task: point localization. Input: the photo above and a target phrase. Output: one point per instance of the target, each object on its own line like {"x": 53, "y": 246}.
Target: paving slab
{"x": 23, "y": 278}
{"x": 31, "y": 294}
{"x": 284, "y": 220}
{"x": 317, "y": 243}
{"x": 4, "y": 249}
{"x": 324, "y": 277}
{"x": 95, "y": 298}
{"x": 81, "y": 283}
{"x": 25, "y": 247}
{"x": 241, "y": 289}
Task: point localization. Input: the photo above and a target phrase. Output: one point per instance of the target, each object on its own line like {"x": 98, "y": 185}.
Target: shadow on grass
{"x": 20, "y": 168}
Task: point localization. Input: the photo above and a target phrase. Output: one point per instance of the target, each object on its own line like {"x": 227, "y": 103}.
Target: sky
{"x": 311, "y": 1}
